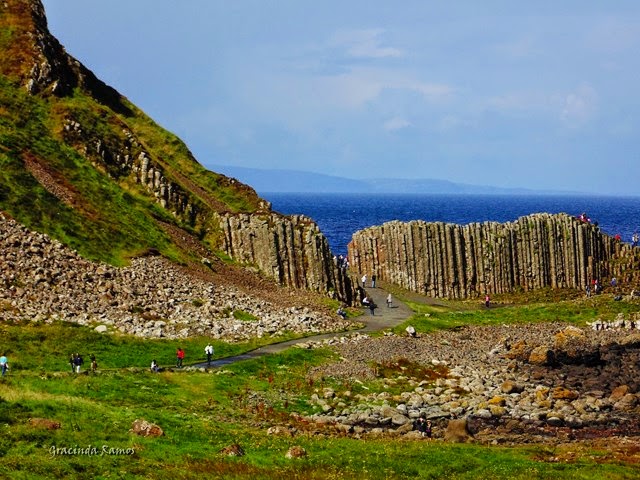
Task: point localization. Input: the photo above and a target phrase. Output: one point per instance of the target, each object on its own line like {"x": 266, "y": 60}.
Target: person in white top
{"x": 208, "y": 350}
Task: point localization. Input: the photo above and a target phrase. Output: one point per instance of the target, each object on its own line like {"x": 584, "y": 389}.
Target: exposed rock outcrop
{"x": 453, "y": 261}
{"x": 291, "y": 250}
{"x": 41, "y": 279}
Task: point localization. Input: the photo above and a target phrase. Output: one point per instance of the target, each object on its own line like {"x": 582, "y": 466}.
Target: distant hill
{"x": 294, "y": 181}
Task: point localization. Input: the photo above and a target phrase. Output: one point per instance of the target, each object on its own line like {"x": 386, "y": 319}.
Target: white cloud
{"x": 364, "y": 43}
{"x": 396, "y": 123}
{"x": 579, "y": 106}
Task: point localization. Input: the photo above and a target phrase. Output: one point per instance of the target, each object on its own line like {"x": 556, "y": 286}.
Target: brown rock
{"x": 542, "y": 355}
{"x": 562, "y": 393}
{"x": 296, "y": 452}
{"x": 619, "y": 392}
{"x": 234, "y": 450}
{"x": 511, "y": 387}
{"x": 457, "y": 431}
{"x": 146, "y": 429}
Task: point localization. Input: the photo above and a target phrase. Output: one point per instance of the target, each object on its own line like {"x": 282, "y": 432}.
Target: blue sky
{"x": 541, "y": 95}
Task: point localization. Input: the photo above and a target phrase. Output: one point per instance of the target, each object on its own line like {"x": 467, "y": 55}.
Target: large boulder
{"x": 458, "y": 431}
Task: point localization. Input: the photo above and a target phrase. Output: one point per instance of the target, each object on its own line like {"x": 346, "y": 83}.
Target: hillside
{"x": 82, "y": 163}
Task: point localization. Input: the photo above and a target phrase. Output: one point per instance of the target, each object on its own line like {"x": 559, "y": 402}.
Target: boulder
{"x": 233, "y": 450}
{"x": 146, "y": 429}
{"x": 296, "y": 452}
{"x": 457, "y": 431}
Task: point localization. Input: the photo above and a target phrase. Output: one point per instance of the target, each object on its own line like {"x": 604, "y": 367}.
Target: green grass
{"x": 452, "y": 314}
{"x": 201, "y": 413}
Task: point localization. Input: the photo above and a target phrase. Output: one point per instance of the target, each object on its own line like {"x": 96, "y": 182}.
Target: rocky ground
{"x": 530, "y": 383}
{"x": 42, "y": 280}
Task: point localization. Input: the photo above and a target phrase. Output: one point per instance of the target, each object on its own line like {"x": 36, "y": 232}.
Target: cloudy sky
{"x": 541, "y": 95}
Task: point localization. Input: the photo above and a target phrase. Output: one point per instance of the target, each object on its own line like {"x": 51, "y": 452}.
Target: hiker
{"x": 72, "y": 362}
{"x": 208, "y": 350}
{"x": 77, "y": 362}
{"x": 389, "y": 300}
{"x": 4, "y": 364}
{"x": 94, "y": 363}
{"x": 364, "y": 281}
{"x": 420, "y": 424}
{"x": 373, "y": 281}
{"x": 179, "y": 357}
{"x": 634, "y": 239}
{"x": 154, "y": 366}
{"x": 428, "y": 429}
{"x": 487, "y": 300}
{"x": 341, "y": 312}
{"x": 372, "y": 308}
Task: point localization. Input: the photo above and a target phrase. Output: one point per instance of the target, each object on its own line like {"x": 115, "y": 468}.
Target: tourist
{"x": 588, "y": 290}
{"x": 342, "y": 312}
{"x": 72, "y": 362}
{"x": 77, "y": 362}
{"x": 411, "y": 331}
{"x": 373, "y": 281}
{"x": 208, "y": 350}
{"x": 179, "y": 357}
{"x": 428, "y": 429}
{"x": 420, "y": 424}
{"x": 364, "y": 281}
{"x": 634, "y": 239}
{"x": 154, "y": 366}
{"x": 94, "y": 363}
{"x": 487, "y": 301}
{"x": 4, "y": 364}
{"x": 366, "y": 301}
{"x": 389, "y": 300}
{"x": 372, "y": 307}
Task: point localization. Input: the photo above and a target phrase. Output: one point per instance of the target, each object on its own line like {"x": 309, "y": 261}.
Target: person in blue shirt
{"x": 4, "y": 364}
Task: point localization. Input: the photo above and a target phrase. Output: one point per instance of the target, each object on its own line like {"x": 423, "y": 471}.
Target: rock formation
{"x": 291, "y": 250}
{"x": 111, "y": 135}
{"x": 453, "y": 261}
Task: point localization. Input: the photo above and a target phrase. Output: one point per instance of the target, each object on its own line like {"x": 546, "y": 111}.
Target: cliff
{"x": 453, "y": 261}
{"x": 84, "y": 165}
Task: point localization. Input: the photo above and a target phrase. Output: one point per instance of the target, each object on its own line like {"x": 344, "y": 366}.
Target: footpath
{"x": 383, "y": 318}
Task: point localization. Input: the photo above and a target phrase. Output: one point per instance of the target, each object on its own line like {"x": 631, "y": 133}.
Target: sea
{"x": 339, "y": 215}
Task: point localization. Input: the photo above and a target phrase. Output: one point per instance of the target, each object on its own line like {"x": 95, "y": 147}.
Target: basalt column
{"x": 453, "y": 261}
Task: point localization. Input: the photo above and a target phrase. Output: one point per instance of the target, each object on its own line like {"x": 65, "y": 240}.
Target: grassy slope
{"x": 112, "y": 218}
{"x": 202, "y": 412}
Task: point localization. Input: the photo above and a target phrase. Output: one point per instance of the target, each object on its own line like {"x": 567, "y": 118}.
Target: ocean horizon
{"x": 339, "y": 215}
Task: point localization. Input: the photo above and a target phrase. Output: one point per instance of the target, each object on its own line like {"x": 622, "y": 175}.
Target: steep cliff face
{"x": 83, "y": 164}
{"x": 290, "y": 249}
{"x": 453, "y": 261}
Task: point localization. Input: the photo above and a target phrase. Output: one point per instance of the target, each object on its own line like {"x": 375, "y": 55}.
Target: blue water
{"x": 340, "y": 215}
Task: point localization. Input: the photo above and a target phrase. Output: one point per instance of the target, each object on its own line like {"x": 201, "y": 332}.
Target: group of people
{"x": 76, "y": 361}
{"x": 364, "y": 280}
{"x": 341, "y": 261}
{"x": 180, "y": 354}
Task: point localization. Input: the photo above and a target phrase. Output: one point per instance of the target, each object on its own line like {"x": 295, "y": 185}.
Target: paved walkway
{"x": 384, "y": 317}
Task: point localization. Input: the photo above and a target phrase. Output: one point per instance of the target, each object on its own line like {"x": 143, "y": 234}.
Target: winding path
{"x": 385, "y": 317}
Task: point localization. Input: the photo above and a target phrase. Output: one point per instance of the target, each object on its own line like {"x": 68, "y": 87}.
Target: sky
{"x": 541, "y": 95}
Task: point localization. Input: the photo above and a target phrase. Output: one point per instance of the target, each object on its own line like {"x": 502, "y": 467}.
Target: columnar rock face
{"x": 291, "y": 249}
{"x": 453, "y": 261}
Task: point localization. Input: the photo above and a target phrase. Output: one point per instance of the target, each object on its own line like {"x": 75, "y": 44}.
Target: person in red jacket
{"x": 179, "y": 357}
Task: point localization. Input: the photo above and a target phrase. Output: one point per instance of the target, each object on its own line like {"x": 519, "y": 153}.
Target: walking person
{"x": 77, "y": 362}
{"x": 487, "y": 301}
{"x": 4, "y": 364}
{"x": 389, "y": 300}
{"x": 372, "y": 307}
{"x": 373, "y": 281}
{"x": 179, "y": 357}
{"x": 94, "y": 363}
{"x": 208, "y": 350}
{"x": 364, "y": 281}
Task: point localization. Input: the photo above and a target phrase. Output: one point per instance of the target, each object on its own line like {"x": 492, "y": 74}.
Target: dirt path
{"x": 384, "y": 317}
